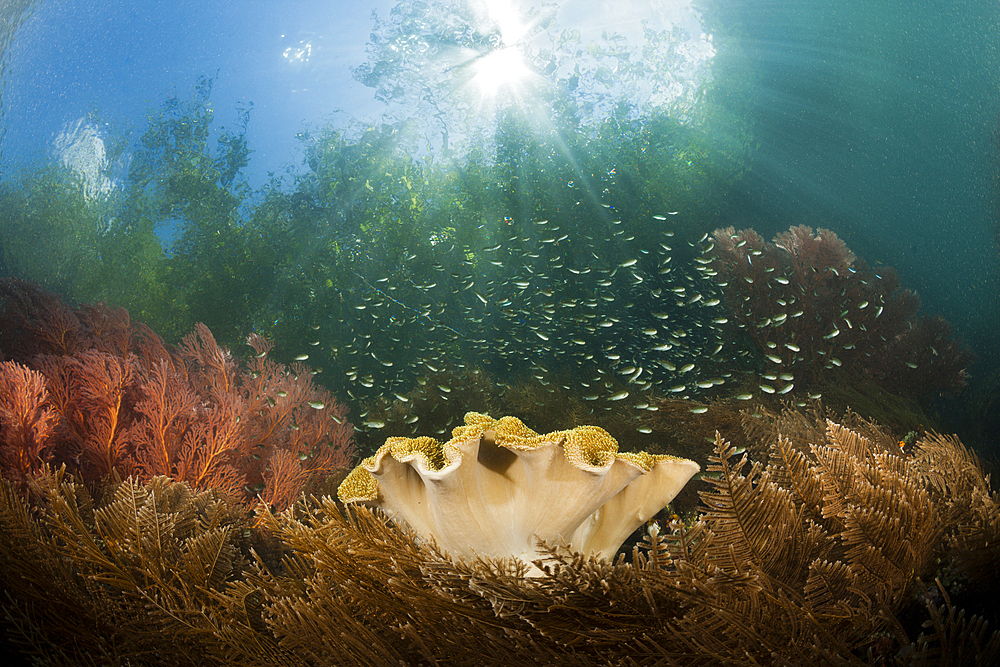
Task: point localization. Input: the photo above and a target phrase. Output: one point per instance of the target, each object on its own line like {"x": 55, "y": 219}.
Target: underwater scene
{"x": 492, "y": 332}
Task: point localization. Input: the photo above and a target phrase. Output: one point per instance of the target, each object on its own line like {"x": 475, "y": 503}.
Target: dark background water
{"x": 879, "y": 121}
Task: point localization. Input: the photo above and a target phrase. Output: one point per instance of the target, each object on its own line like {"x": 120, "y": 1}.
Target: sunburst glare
{"x": 507, "y": 18}
{"x": 503, "y": 68}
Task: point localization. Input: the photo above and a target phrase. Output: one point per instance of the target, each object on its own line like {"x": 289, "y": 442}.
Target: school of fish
{"x": 617, "y": 313}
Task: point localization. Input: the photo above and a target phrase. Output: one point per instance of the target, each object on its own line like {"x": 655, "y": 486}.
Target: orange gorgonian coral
{"x": 107, "y": 397}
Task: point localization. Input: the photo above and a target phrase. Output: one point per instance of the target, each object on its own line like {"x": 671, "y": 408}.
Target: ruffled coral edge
{"x": 588, "y": 448}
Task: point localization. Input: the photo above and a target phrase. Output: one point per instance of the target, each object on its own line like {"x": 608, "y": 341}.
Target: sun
{"x": 503, "y": 68}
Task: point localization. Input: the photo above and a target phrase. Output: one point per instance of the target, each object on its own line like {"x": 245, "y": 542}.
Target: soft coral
{"x": 108, "y": 397}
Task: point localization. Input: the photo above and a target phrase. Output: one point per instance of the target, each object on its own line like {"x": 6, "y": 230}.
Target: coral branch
{"x": 167, "y": 411}
{"x": 26, "y": 421}
{"x": 100, "y": 383}
{"x": 215, "y": 373}
{"x": 211, "y": 449}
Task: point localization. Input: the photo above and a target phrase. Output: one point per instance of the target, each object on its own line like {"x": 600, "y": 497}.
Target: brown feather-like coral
{"x": 825, "y": 552}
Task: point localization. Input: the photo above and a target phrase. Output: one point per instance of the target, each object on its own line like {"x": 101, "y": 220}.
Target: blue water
{"x": 876, "y": 120}
{"x": 72, "y": 58}
{"x": 881, "y": 123}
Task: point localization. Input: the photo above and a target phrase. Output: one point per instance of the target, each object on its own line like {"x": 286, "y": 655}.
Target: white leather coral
{"x": 497, "y": 487}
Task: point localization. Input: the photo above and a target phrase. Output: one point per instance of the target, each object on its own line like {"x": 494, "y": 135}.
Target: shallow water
{"x": 436, "y": 188}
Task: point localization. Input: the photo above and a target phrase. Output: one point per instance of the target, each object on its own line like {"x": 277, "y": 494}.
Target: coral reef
{"x": 497, "y": 488}
{"x": 836, "y": 548}
{"x": 812, "y": 309}
{"x": 88, "y": 388}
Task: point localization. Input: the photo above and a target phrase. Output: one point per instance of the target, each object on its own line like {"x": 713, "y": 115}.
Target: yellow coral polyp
{"x": 497, "y": 488}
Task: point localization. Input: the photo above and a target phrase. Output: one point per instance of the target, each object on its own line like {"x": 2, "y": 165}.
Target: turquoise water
{"x": 881, "y": 123}
{"x": 400, "y": 192}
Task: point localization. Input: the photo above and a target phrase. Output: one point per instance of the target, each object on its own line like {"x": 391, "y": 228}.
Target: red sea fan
{"x": 321, "y": 435}
{"x": 298, "y": 431}
{"x": 107, "y": 396}
{"x": 306, "y": 414}
{"x": 265, "y": 431}
{"x": 284, "y": 479}
{"x": 27, "y": 421}
{"x": 103, "y": 384}
{"x": 166, "y": 410}
{"x": 811, "y": 307}
{"x": 931, "y": 358}
{"x": 808, "y": 250}
{"x": 93, "y": 392}
{"x": 33, "y": 322}
{"x": 212, "y": 370}
{"x": 213, "y": 449}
